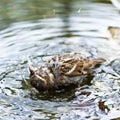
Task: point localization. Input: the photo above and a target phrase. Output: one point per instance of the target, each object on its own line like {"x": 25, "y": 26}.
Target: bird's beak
{"x": 32, "y": 69}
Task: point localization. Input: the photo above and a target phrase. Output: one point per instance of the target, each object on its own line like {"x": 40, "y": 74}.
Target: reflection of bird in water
{"x": 116, "y": 3}
{"x": 61, "y": 71}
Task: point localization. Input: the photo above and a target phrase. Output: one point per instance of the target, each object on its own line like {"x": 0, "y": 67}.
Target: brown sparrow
{"x": 61, "y": 71}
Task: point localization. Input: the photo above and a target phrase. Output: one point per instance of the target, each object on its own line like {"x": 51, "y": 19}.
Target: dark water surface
{"x": 37, "y": 30}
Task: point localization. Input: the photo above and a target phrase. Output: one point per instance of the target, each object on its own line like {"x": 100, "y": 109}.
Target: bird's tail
{"x": 98, "y": 61}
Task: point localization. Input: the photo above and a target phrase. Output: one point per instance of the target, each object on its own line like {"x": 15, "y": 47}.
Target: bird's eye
{"x": 32, "y": 73}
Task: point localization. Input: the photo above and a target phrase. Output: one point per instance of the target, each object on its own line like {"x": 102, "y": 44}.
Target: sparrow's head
{"x": 40, "y": 78}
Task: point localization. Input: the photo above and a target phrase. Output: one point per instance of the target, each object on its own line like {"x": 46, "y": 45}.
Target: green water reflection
{"x": 29, "y": 10}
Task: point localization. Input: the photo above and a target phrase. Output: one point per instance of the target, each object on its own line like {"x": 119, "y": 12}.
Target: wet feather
{"x": 62, "y": 70}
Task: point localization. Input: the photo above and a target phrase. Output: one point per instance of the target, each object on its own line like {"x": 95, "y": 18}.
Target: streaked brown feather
{"x": 61, "y": 70}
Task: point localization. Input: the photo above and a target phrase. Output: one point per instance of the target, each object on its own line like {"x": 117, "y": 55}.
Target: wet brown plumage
{"x": 62, "y": 70}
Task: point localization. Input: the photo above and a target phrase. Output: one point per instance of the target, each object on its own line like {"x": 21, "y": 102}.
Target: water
{"x": 38, "y": 30}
